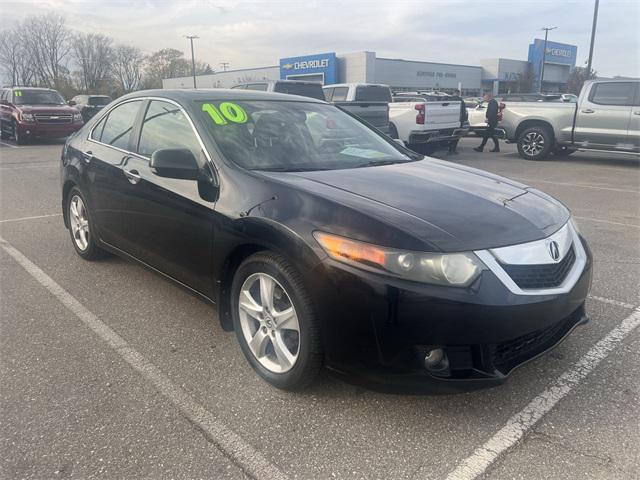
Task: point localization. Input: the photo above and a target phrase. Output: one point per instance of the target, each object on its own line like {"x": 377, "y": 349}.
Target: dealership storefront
{"x": 400, "y": 75}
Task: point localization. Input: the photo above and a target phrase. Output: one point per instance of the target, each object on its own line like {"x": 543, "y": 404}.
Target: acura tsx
{"x": 325, "y": 243}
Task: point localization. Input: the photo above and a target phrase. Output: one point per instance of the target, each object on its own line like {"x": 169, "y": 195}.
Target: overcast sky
{"x": 258, "y": 33}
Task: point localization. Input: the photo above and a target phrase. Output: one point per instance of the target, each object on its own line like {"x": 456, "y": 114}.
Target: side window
{"x": 614, "y": 93}
{"x": 328, "y": 93}
{"x": 241, "y": 87}
{"x": 165, "y": 126}
{"x": 257, "y": 86}
{"x": 119, "y": 125}
{"x": 96, "y": 133}
{"x": 340, "y": 94}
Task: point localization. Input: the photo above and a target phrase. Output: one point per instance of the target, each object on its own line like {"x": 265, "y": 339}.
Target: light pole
{"x": 193, "y": 58}
{"x": 224, "y": 66}
{"x": 544, "y": 53}
{"x": 593, "y": 37}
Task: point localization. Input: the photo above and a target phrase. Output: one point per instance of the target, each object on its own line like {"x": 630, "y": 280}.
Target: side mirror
{"x": 71, "y": 103}
{"x": 179, "y": 163}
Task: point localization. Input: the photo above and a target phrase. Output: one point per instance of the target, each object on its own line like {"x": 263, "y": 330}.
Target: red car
{"x": 28, "y": 112}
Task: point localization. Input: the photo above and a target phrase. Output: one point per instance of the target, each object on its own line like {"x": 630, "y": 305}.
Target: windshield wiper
{"x": 379, "y": 163}
{"x": 290, "y": 169}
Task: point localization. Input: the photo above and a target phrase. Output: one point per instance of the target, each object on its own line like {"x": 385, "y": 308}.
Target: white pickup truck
{"x": 424, "y": 121}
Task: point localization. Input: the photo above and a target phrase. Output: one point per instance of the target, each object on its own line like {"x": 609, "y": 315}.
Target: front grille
{"x": 509, "y": 354}
{"x": 530, "y": 277}
{"x": 46, "y": 118}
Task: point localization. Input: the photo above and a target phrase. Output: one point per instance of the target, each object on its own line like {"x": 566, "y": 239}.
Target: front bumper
{"x": 52, "y": 130}
{"x": 377, "y": 332}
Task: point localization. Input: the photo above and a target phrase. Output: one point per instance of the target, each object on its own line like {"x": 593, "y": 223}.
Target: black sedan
{"x": 323, "y": 242}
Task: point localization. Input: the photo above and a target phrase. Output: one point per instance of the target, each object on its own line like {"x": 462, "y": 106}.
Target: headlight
{"x": 451, "y": 269}
{"x": 77, "y": 117}
{"x": 27, "y": 117}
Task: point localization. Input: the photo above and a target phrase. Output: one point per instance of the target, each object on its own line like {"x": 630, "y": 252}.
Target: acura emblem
{"x": 554, "y": 250}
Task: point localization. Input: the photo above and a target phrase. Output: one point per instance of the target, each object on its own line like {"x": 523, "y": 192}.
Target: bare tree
{"x": 577, "y": 78}
{"x": 47, "y": 40}
{"x": 166, "y": 63}
{"x": 127, "y": 66}
{"x": 14, "y": 58}
{"x": 94, "y": 55}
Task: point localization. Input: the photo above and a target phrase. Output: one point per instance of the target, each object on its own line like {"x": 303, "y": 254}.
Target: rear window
{"x": 311, "y": 90}
{"x": 373, "y": 93}
{"x": 99, "y": 101}
{"x": 614, "y": 93}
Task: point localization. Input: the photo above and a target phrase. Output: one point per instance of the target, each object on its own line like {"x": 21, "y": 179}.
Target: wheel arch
{"x": 66, "y": 188}
{"x": 259, "y": 235}
{"x": 535, "y": 123}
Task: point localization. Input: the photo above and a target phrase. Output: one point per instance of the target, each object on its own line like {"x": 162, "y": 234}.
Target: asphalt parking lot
{"x": 109, "y": 371}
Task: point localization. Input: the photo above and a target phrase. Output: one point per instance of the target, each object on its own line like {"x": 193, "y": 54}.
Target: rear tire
{"x": 81, "y": 227}
{"x": 285, "y": 350}
{"x": 535, "y": 143}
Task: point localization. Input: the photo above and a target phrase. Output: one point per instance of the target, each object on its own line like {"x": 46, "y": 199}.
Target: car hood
{"x": 447, "y": 206}
{"x": 48, "y": 109}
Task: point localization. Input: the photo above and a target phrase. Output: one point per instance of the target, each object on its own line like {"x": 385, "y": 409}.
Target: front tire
{"x": 81, "y": 227}
{"x": 275, "y": 321}
{"x": 535, "y": 143}
{"x": 17, "y": 138}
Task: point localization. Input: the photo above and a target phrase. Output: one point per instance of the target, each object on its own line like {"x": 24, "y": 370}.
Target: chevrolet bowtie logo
{"x": 287, "y": 66}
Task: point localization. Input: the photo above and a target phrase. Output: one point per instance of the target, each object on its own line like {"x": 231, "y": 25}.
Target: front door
{"x": 167, "y": 220}
{"x": 602, "y": 119}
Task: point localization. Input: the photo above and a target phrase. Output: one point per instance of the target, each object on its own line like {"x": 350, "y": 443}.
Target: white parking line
{"x": 251, "y": 461}
{"x": 610, "y": 301}
{"x": 30, "y": 218}
{"x": 591, "y": 219}
{"x": 20, "y": 167}
{"x": 9, "y": 145}
{"x": 518, "y": 425}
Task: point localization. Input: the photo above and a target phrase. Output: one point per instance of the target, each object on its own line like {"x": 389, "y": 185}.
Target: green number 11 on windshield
{"x": 225, "y": 112}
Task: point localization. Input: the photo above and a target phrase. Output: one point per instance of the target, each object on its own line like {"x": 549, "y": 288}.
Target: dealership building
{"x": 497, "y": 75}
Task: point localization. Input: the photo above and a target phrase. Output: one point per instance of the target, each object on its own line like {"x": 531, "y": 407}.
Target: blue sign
{"x": 557, "y": 53}
{"x": 323, "y": 65}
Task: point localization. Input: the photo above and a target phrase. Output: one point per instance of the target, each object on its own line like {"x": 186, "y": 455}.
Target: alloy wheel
{"x": 269, "y": 322}
{"x": 79, "y": 221}
{"x": 533, "y": 143}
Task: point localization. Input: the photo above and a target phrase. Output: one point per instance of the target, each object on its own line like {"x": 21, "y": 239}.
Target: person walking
{"x": 492, "y": 122}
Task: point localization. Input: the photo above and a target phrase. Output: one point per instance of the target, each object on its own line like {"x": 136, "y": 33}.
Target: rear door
{"x": 105, "y": 151}
{"x": 602, "y": 119}
{"x": 168, "y": 221}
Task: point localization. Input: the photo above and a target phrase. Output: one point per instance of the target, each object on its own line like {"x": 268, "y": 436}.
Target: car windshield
{"x": 295, "y": 136}
{"x": 95, "y": 101}
{"x": 37, "y": 97}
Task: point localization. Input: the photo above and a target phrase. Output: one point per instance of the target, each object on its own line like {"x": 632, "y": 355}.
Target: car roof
{"x": 356, "y": 85}
{"x": 203, "y": 94}
{"x": 34, "y": 88}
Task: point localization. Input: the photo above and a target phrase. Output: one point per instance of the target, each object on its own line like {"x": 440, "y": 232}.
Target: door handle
{"x": 588, "y": 110}
{"x": 637, "y": 112}
{"x": 132, "y": 175}
{"x": 87, "y": 156}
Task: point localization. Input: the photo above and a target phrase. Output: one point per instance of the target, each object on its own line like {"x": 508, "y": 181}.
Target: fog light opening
{"x": 436, "y": 360}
